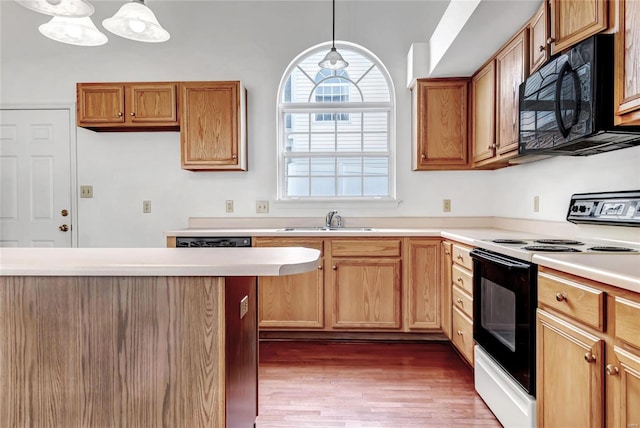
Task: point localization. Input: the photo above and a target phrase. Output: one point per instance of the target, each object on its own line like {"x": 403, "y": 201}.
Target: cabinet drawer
{"x": 463, "y": 334}
{"x": 316, "y": 244}
{"x": 576, "y": 300}
{"x": 366, "y": 247}
{"x": 628, "y": 321}
{"x": 462, "y": 301}
{"x": 461, "y": 256}
{"x": 462, "y": 278}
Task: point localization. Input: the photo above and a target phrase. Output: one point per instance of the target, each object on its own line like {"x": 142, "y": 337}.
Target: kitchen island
{"x": 133, "y": 337}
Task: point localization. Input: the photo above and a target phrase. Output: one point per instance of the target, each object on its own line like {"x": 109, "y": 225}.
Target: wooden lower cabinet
{"x": 294, "y": 301}
{"x": 422, "y": 280}
{"x": 588, "y": 373}
{"x": 569, "y": 375}
{"x": 445, "y": 286}
{"x": 366, "y": 293}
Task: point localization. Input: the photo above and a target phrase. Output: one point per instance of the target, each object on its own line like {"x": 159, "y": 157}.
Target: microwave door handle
{"x": 566, "y": 69}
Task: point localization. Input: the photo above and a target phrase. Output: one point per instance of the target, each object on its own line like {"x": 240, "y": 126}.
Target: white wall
{"x": 254, "y": 42}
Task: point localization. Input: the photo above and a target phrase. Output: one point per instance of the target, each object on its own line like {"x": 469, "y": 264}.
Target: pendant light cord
{"x": 333, "y": 34}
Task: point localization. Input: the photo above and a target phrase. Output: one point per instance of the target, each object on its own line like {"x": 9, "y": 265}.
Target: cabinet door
{"x": 423, "y": 284}
{"x": 440, "y": 124}
{"x": 511, "y": 65}
{"x": 445, "y": 284}
{"x": 483, "y": 113}
{"x": 366, "y": 293}
{"x": 211, "y": 130}
{"x": 152, "y": 103}
{"x": 569, "y": 368}
{"x": 575, "y": 20}
{"x": 100, "y": 104}
{"x": 538, "y": 35}
{"x": 292, "y": 301}
{"x": 623, "y": 388}
{"x": 627, "y": 70}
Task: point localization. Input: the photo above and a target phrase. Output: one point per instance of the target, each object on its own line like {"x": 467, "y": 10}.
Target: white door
{"x": 35, "y": 178}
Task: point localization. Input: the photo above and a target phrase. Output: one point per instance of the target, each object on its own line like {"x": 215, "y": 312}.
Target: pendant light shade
{"x": 136, "y": 21}
{"x": 73, "y": 31}
{"x": 333, "y": 60}
{"x": 75, "y": 8}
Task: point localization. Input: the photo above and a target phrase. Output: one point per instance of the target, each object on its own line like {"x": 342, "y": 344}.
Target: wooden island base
{"x": 79, "y": 351}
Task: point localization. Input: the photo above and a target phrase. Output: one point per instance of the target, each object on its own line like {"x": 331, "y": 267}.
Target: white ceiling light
{"x": 136, "y": 21}
{"x": 333, "y": 60}
{"x": 73, "y": 31}
{"x": 59, "y": 7}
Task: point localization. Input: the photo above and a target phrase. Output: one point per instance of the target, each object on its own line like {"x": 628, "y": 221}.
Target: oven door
{"x": 504, "y": 304}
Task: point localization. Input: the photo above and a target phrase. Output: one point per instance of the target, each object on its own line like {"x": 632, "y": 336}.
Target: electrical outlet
{"x": 86, "y": 191}
{"x": 146, "y": 207}
{"x": 244, "y": 306}
{"x": 229, "y": 205}
{"x": 262, "y": 207}
{"x": 536, "y": 204}
{"x": 446, "y": 205}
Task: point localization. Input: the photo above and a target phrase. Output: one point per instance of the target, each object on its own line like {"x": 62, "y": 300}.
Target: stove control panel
{"x": 613, "y": 208}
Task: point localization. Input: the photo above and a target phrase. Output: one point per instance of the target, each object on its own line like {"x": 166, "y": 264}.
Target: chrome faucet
{"x": 328, "y": 221}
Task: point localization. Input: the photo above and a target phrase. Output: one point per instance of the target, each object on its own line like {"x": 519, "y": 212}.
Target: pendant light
{"x": 75, "y": 8}
{"x": 136, "y": 21}
{"x": 73, "y": 31}
{"x": 333, "y": 60}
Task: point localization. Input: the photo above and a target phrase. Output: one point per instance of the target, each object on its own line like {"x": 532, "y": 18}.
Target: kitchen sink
{"x": 327, "y": 229}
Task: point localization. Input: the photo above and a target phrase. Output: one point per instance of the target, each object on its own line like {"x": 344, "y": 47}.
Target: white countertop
{"x": 157, "y": 261}
{"x": 620, "y": 270}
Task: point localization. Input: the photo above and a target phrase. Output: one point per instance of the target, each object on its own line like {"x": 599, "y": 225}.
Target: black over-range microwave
{"x": 566, "y": 107}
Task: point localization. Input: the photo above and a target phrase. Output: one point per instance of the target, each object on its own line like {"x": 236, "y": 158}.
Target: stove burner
{"x": 509, "y": 241}
{"x": 613, "y": 249}
{"x": 551, "y": 248}
{"x": 559, "y": 241}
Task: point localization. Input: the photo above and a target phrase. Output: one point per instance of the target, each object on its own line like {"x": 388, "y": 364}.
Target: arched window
{"x": 336, "y": 128}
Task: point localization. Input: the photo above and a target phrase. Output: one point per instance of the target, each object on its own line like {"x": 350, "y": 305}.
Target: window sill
{"x": 337, "y": 203}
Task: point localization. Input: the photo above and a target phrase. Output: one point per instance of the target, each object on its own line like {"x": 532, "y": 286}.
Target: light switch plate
{"x": 228, "y": 205}
{"x": 86, "y": 191}
{"x": 244, "y": 306}
{"x": 446, "y": 205}
{"x": 146, "y": 207}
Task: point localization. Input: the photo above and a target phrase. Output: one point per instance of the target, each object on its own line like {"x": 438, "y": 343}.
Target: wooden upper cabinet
{"x": 627, "y": 68}
{"x": 440, "y": 124}
{"x": 538, "y": 35}
{"x": 512, "y": 67}
{"x": 575, "y": 20}
{"x": 483, "y": 113}
{"x": 213, "y": 133}
{"x": 128, "y": 106}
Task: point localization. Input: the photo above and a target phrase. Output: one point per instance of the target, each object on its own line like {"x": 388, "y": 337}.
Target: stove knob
{"x": 574, "y": 209}
{"x": 583, "y": 209}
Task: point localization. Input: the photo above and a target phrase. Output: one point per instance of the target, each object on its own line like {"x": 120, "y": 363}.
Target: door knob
{"x": 63, "y": 228}
{"x": 64, "y": 213}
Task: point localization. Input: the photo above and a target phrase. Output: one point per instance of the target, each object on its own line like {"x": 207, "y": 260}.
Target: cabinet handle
{"x": 460, "y": 302}
{"x": 423, "y": 156}
{"x": 319, "y": 267}
{"x": 459, "y": 279}
{"x": 133, "y": 113}
{"x": 612, "y": 370}
{"x": 334, "y": 267}
{"x": 491, "y": 146}
{"x": 460, "y": 332}
{"x": 119, "y": 114}
{"x": 541, "y": 48}
{"x": 589, "y": 357}
{"x": 561, "y": 297}
{"x": 234, "y": 157}
{"x": 550, "y": 40}
{"x": 459, "y": 257}
{"x": 446, "y": 253}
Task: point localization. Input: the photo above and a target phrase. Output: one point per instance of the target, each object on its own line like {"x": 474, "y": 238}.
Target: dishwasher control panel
{"x": 226, "y": 241}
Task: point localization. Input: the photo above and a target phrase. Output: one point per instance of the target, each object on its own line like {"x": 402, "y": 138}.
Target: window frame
{"x": 353, "y": 108}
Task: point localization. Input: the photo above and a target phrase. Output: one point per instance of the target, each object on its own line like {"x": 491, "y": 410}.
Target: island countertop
{"x": 157, "y": 261}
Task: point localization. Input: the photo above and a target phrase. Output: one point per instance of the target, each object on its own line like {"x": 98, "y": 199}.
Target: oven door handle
{"x": 498, "y": 260}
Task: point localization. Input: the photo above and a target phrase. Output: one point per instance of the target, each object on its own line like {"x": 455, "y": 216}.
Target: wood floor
{"x": 395, "y": 385}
